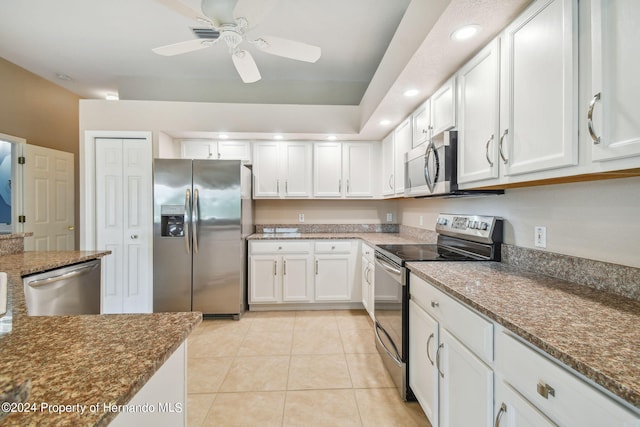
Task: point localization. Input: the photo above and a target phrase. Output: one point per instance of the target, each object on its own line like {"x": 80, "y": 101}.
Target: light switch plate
{"x": 540, "y": 236}
{"x": 301, "y": 217}
{"x": 389, "y": 217}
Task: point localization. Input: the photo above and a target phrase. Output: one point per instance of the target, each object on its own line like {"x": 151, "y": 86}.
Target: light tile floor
{"x": 302, "y": 368}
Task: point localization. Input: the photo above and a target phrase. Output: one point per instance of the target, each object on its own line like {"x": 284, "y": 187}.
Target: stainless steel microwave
{"x": 430, "y": 169}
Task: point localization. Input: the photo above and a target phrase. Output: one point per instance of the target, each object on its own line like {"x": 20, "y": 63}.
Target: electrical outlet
{"x": 301, "y": 217}
{"x": 540, "y": 236}
{"x": 389, "y": 217}
{"x": 421, "y": 219}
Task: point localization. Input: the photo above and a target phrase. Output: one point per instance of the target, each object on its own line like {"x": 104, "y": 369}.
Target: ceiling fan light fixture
{"x": 466, "y": 32}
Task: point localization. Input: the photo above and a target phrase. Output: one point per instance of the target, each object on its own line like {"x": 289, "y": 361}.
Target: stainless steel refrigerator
{"x": 202, "y": 215}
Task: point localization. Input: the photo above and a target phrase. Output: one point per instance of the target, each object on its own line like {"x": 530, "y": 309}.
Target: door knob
{"x": 71, "y": 228}
{"x": 134, "y": 236}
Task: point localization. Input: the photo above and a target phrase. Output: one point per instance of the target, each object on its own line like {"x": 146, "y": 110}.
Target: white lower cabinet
{"x": 282, "y": 272}
{"x": 452, "y": 383}
{"x": 561, "y": 396}
{"x": 368, "y": 278}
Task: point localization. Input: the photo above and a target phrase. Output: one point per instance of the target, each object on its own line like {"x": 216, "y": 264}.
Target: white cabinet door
{"x": 403, "y": 137}
{"x": 124, "y": 223}
{"x": 615, "y": 129}
{"x": 296, "y": 161}
{"x": 297, "y": 278}
{"x": 358, "y": 169}
{"x": 513, "y": 410}
{"x": 265, "y": 282}
{"x": 388, "y": 164}
{"x": 539, "y": 83}
{"x": 327, "y": 170}
{"x": 421, "y": 124}
{"x": 479, "y": 115}
{"x": 466, "y": 394}
{"x": 234, "y": 150}
{"x": 332, "y": 278}
{"x": 190, "y": 149}
{"x": 366, "y": 285}
{"x": 266, "y": 170}
{"x": 423, "y": 375}
{"x": 443, "y": 107}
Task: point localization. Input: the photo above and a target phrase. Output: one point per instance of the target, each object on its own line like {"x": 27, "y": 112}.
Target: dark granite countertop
{"x": 81, "y": 360}
{"x": 594, "y": 332}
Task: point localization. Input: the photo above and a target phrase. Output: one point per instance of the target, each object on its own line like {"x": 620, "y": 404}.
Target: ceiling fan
{"x": 229, "y": 20}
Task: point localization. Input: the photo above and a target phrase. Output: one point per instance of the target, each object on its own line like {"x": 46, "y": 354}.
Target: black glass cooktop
{"x": 422, "y": 252}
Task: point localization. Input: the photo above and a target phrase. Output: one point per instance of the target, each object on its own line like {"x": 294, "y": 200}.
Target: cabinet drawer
{"x": 279, "y": 247}
{"x": 570, "y": 400}
{"x": 469, "y": 327}
{"x": 368, "y": 252}
{"x": 331, "y": 247}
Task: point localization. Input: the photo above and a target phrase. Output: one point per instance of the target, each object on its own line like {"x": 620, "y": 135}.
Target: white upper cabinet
{"x": 479, "y": 116}
{"x": 388, "y": 166}
{"x": 282, "y": 170}
{"x": 421, "y": 122}
{"x": 209, "y": 149}
{"x": 345, "y": 169}
{"x": 443, "y": 107}
{"x": 614, "y": 126}
{"x": 539, "y": 89}
{"x": 402, "y": 137}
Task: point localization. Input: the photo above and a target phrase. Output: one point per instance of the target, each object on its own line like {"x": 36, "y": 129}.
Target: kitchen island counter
{"x": 369, "y": 238}
{"x": 86, "y": 362}
{"x": 593, "y": 332}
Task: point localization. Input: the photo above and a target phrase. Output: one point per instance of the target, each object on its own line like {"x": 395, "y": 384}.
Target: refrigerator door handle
{"x": 187, "y": 219}
{"x": 196, "y": 219}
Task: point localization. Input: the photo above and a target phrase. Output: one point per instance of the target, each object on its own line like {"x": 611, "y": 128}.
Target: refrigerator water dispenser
{"x": 172, "y": 221}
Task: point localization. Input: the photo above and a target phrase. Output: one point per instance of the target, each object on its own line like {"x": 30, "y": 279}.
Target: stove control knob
{"x": 484, "y": 226}
{"x": 473, "y": 224}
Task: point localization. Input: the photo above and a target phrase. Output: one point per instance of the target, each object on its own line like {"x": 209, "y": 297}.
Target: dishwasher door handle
{"x": 69, "y": 275}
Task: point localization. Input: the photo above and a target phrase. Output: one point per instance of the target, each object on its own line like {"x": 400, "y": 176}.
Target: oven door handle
{"x": 395, "y": 357}
{"x": 389, "y": 268}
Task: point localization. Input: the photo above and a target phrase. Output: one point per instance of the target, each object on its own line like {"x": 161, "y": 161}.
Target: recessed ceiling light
{"x": 411, "y": 92}
{"x": 223, "y": 136}
{"x": 111, "y": 97}
{"x": 331, "y": 137}
{"x": 466, "y": 32}
{"x": 277, "y": 136}
{"x": 385, "y": 122}
{"x": 63, "y": 76}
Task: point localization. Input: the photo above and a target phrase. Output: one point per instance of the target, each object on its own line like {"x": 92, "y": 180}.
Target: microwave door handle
{"x": 431, "y": 182}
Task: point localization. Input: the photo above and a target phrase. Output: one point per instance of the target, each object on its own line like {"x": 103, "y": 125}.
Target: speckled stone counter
{"x": 81, "y": 360}
{"x": 594, "y": 332}
{"x": 370, "y": 238}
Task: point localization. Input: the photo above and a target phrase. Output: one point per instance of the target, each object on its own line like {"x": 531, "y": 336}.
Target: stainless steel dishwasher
{"x": 69, "y": 290}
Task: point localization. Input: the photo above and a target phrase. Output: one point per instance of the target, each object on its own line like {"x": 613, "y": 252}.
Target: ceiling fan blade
{"x": 184, "y": 10}
{"x": 183, "y": 47}
{"x": 254, "y": 11}
{"x": 288, "y": 48}
{"x": 246, "y": 66}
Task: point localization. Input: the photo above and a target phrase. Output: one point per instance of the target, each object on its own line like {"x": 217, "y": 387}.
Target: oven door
{"x": 430, "y": 167}
{"x": 391, "y": 319}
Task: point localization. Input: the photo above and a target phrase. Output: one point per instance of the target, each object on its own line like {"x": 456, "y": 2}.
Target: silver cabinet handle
{"x": 428, "y": 341}
{"x": 275, "y": 267}
{"x": 284, "y": 267}
{"x": 196, "y": 218}
{"x": 391, "y": 182}
{"x": 545, "y": 390}
{"x": 278, "y": 186}
{"x": 503, "y": 409}
{"x": 316, "y": 267}
{"x": 339, "y": 186}
{"x": 348, "y": 189}
{"x": 440, "y": 347}
{"x": 504, "y": 159}
{"x": 369, "y": 275}
{"x": 435, "y": 304}
{"x": 187, "y": 219}
{"x": 592, "y": 132}
{"x": 286, "y": 187}
{"x": 486, "y": 151}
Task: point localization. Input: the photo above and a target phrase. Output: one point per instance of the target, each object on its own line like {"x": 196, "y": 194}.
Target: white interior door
{"x": 124, "y": 223}
{"x": 49, "y": 199}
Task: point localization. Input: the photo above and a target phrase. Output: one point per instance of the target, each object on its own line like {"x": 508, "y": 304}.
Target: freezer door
{"x": 172, "y": 244}
{"x": 217, "y": 244}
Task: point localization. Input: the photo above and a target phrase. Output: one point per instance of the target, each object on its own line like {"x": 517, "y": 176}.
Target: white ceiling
{"x": 372, "y": 51}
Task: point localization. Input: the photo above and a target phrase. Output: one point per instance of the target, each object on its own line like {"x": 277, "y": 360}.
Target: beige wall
{"x": 597, "y": 220}
{"x": 39, "y": 111}
{"x": 325, "y": 211}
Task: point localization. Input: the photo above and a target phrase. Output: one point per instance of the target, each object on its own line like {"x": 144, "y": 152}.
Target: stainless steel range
{"x": 460, "y": 238}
